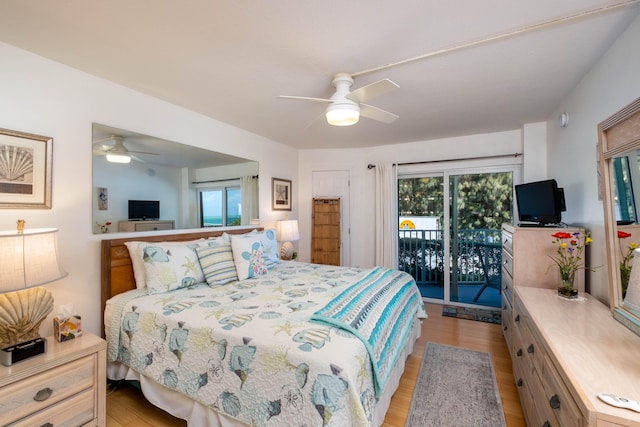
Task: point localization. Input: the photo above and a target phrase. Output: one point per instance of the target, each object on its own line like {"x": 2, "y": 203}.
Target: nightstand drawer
{"x": 22, "y": 398}
{"x": 76, "y": 411}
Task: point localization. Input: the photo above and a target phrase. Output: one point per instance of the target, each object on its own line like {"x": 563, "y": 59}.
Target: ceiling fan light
{"x": 343, "y": 114}
{"x": 118, "y": 158}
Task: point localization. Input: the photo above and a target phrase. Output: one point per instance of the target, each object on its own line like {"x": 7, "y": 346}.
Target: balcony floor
{"x": 490, "y": 297}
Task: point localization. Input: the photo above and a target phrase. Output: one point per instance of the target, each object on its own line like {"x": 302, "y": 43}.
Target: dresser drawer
{"x": 507, "y": 284}
{"x": 25, "y": 397}
{"x": 507, "y": 241}
{"x": 559, "y": 398}
{"x": 77, "y": 410}
{"x": 507, "y": 263}
{"x": 507, "y": 322}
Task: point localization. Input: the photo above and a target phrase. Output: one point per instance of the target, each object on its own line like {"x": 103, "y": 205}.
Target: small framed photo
{"x": 25, "y": 172}
{"x": 281, "y": 194}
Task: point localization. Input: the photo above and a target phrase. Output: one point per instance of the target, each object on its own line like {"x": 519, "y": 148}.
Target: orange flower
{"x": 623, "y": 234}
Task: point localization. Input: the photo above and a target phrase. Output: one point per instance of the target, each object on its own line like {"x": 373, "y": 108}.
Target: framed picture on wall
{"x": 281, "y": 194}
{"x": 25, "y": 170}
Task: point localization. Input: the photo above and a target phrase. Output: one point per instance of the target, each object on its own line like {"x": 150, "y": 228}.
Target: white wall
{"x": 45, "y": 98}
{"x": 362, "y": 189}
{"x": 610, "y": 85}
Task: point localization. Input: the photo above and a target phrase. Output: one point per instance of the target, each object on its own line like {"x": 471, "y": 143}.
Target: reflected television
{"x": 144, "y": 210}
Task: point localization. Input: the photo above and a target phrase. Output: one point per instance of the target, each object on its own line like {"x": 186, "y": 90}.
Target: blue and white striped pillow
{"x": 217, "y": 264}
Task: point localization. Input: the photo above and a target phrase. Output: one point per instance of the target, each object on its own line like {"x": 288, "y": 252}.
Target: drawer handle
{"x": 47, "y": 425}
{"x": 506, "y": 327}
{"x": 517, "y": 319}
{"x": 43, "y": 394}
{"x": 519, "y": 382}
{"x": 554, "y": 402}
{"x": 519, "y": 352}
{"x": 546, "y": 424}
{"x": 530, "y": 349}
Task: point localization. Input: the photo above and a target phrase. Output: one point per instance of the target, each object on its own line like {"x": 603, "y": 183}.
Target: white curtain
{"x": 249, "y": 192}
{"x": 386, "y": 216}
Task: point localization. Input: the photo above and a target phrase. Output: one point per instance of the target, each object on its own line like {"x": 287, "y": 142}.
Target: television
{"x": 540, "y": 203}
{"x": 144, "y": 210}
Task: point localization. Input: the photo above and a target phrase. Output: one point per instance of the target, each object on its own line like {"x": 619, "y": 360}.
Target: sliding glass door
{"x": 449, "y": 232}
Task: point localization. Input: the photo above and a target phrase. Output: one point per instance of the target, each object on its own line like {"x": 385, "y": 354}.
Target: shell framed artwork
{"x": 25, "y": 170}
{"x": 280, "y": 194}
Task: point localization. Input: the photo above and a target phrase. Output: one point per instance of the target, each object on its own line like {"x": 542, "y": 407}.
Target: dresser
{"x": 66, "y": 386}
{"x": 146, "y": 225}
{"x": 564, "y": 352}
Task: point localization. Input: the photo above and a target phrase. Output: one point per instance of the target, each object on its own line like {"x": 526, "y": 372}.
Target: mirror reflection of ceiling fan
{"x": 346, "y": 106}
{"x": 113, "y": 147}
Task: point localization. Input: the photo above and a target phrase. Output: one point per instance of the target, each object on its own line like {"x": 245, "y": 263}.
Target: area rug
{"x": 479, "y": 314}
{"x": 455, "y": 387}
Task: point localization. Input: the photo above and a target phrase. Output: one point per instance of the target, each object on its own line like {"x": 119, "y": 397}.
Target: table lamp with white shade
{"x": 287, "y": 232}
{"x": 28, "y": 259}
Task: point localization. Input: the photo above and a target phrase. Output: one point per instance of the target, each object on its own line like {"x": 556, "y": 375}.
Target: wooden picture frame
{"x": 25, "y": 174}
{"x": 280, "y": 194}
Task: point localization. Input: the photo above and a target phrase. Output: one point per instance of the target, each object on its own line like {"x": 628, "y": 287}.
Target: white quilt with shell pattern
{"x": 248, "y": 350}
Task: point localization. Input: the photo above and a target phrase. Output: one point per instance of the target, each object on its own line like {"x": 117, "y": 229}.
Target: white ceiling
{"x": 490, "y": 65}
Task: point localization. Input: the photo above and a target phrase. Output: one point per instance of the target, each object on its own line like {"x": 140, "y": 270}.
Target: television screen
{"x": 144, "y": 210}
{"x": 540, "y": 202}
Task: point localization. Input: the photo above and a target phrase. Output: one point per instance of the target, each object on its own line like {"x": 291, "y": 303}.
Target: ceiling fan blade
{"x": 143, "y": 152}
{"x": 304, "y": 98}
{"x": 375, "y": 113}
{"x": 372, "y": 90}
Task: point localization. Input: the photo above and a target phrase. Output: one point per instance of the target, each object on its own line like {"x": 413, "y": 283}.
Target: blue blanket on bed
{"x": 380, "y": 310}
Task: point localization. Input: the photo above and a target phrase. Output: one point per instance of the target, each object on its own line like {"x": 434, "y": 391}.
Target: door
{"x": 325, "y": 231}
{"x": 449, "y": 232}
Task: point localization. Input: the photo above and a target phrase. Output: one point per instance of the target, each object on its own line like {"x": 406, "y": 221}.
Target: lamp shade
{"x": 29, "y": 258}
{"x": 343, "y": 114}
{"x": 287, "y": 230}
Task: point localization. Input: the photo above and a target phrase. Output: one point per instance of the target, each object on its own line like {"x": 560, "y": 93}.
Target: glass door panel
{"x": 479, "y": 204}
{"x": 421, "y": 240}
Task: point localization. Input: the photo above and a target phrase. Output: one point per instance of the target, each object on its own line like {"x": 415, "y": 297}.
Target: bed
{"x": 284, "y": 343}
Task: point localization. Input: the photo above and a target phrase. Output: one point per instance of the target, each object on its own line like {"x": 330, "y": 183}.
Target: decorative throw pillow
{"x": 269, "y": 246}
{"x": 247, "y": 255}
{"x": 217, "y": 264}
{"x": 169, "y": 266}
{"x": 138, "y": 265}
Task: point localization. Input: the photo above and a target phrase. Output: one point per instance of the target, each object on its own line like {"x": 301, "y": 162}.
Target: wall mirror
{"x": 619, "y": 140}
{"x": 187, "y": 186}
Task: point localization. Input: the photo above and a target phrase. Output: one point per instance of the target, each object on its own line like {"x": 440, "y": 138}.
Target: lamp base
{"x": 22, "y": 351}
{"x": 286, "y": 251}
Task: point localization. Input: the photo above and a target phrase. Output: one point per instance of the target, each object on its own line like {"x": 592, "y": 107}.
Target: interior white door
{"x": 336, "y": 184}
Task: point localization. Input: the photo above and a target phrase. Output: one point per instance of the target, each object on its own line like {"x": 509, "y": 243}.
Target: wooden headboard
{"x": 116, "y": 275}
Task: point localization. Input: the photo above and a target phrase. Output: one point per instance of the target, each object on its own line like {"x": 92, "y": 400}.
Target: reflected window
{"x": 220, "y": 207}
{"x": 624, "y": 178}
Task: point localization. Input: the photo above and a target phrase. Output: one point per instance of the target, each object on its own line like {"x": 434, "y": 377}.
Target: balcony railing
{"x": 475, "y": 257}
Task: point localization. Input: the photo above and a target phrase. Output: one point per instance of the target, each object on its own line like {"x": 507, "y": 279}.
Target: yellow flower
{"x": 633, "y": 246}
{"x": 563, "y": 245}
{"x": 588, "y": 240}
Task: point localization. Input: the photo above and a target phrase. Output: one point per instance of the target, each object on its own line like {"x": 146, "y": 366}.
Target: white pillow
{"x": 217, "y": 264}
{"x": 169, "y": 266}
{"x": 137, "y": 263}
{"x": 247, "y": 255}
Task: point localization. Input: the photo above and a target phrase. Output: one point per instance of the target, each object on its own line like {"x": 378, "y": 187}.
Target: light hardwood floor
{"x": 127, "y": 407}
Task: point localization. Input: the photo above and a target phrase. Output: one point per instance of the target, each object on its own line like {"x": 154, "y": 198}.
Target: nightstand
{"x": 64, "y": 386}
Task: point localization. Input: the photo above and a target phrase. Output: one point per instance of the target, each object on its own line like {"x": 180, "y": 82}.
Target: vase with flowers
{"x": 569, "y": 259}
{"x": 103, "y": 226}
{"x": 625, "y": 262}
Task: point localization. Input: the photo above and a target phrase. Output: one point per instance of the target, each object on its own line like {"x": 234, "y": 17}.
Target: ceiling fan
{"x": 346, "y": 106}
{"x": 116, "y": 152}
